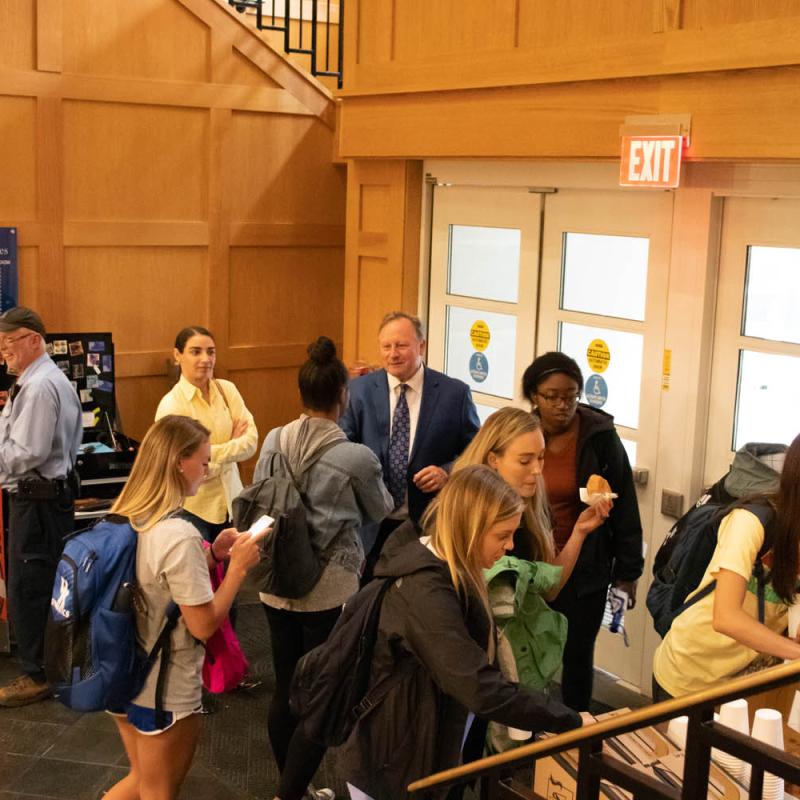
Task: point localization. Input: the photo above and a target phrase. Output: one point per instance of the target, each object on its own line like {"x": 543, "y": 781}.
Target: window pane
{"x": 766, "y": 402}
{"x": 605, "y": 275}
{"x": 771, "y": 294}
{"x": 480, "y": 350}
{"x": 484, "y": 262}
{"x": 484, "y": 411}
{"x": 620, "y": 374}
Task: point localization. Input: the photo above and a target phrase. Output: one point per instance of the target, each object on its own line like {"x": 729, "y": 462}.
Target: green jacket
{"x": 537, "y": 633}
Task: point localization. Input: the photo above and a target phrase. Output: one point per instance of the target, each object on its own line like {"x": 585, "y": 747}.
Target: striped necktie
{"x": 398, "y": 448}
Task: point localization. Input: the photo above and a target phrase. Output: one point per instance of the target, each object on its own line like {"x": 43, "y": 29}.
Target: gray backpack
{"x": 290, "y": 564}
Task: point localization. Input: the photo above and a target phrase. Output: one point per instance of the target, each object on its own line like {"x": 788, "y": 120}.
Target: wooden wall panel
{"x": 486, "y": 44}
{"x": 285, "y": 295}
{"x": 282, "y": 158}
{"x": 141, "y": 187}
{"x": 150, "y": 39}
{"x": 132, "y": 291}
{"x": 748, "y": 114}
{"x": 237, "y": 69}
{"x": 712, "y": 13}
{"x": 424, "y": 29}
{"x": 135, "y": 162}
{"x": 544, "y": 22}
{"x": 382, "y": 249}
{"x": 18, "y": 158}
{"x": 18, "y": 24}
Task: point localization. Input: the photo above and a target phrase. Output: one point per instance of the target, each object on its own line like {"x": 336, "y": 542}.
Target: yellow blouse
{"x": 213, "y": 500}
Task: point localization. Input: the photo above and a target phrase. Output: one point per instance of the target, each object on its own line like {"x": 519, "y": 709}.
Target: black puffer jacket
{"x": 437, "y": 643}
{"x": 614, "y": 550}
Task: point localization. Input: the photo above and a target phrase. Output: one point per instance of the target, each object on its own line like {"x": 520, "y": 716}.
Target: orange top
{"x": 562, "y": 487}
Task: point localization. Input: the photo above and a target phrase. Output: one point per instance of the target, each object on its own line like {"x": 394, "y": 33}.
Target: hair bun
{"x": 322, "y": 351}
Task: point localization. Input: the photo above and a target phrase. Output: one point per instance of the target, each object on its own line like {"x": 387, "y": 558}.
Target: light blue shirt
{"x": 42, "y": 428}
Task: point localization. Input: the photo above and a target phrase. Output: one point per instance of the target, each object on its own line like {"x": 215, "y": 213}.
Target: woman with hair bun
{"x": 218, "y": 405}
{"x": 343, "y": 489}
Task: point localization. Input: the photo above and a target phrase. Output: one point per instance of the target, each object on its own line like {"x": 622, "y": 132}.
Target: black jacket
{"x": 436, "y": 643}
{"x": 614, "y": 550}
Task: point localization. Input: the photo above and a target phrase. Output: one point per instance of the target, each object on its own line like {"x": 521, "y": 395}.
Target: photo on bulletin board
{"x": 87, "y": 359}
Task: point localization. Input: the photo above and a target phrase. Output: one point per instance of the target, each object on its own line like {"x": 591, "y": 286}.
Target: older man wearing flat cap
{"x": 40, "y": 431}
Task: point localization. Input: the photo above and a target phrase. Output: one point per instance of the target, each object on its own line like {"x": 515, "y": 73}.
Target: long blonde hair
{"x": 471, "y": 502}
{"x": 155, "y": 487}
{"x": 495, "y": 435}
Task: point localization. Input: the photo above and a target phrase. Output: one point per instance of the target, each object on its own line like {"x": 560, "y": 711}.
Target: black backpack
{"x": 329, "y": 691}
{"x": 290, "y": 563}
{"x": 684, "y": 556}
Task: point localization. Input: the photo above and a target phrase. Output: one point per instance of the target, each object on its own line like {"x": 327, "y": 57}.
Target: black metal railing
{"x": 594, "y": 765}
{"x": 275, "y": 15}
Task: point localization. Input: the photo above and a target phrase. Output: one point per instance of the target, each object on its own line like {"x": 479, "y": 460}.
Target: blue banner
{"x": 9, "y": 277}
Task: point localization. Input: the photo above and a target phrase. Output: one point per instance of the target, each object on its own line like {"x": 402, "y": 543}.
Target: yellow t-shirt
{"x": 693, "y": 655}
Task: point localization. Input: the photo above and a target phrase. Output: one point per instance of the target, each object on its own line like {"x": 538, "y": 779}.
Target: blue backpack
{"x": 92, "y": 659}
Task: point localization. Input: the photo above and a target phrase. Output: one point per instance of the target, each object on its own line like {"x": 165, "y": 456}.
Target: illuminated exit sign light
{"x": 651, "y": 161}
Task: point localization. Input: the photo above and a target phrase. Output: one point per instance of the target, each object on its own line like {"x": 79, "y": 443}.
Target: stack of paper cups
{"x": 734, "y": 715}
{"x": 676, "y": 731}
{"x": 768, "y": 728}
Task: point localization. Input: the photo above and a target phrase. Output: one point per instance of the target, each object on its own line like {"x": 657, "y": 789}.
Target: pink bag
{"x": 225, "y": 664}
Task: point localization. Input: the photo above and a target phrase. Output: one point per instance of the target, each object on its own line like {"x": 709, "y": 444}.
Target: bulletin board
{"x": 87, "y": 359}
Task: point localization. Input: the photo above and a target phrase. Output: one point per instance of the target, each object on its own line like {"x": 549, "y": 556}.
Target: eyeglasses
{"x": 6, "y": 340}
{"x": 556, "y": 399}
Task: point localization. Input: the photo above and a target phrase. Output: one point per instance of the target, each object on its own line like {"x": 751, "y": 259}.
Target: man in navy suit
{"x": 416, "y": 420}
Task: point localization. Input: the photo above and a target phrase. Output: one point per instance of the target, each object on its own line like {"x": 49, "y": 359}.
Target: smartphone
{"x": 260, "y": 526}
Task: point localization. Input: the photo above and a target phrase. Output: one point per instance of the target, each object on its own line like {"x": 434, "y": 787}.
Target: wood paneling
{"x": 141, "y": 189}
{"x": 18, "y": 158}
{"x": 285, "y": 172}
{"x": 150, "y": 39}
{"x": 543, "y": 22}
{"x": 750, "y": 114}
{"x": 132, "y": 291}
{"x": 561, "y": 40}
{"x": 135, "y": 162}
{"x": 711, "y": 13}
{"x": 285, "y": 294}
{"x": 382, "y": 249}
{"x": 18, "y": 23}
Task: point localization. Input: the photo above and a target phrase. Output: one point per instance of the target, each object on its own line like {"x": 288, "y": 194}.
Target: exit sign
{"x": 653, "y": 161}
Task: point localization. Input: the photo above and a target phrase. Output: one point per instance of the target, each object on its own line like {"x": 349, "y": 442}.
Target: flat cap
{"x": 21, "y": 317}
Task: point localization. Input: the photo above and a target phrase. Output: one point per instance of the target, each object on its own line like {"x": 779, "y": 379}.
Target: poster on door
{"x": 480, "y": 350}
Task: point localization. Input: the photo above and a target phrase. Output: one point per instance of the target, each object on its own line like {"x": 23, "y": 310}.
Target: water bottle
{"x": 618, "y": 600}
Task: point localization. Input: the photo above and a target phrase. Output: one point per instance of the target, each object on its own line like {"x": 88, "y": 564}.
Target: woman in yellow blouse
{"x": 218, "y": 405}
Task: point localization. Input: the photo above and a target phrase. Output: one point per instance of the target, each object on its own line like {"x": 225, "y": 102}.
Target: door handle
{"x": 641, "y": 475}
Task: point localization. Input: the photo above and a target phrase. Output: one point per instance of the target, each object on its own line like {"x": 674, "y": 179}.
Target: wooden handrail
{"x": 649, "y": 715}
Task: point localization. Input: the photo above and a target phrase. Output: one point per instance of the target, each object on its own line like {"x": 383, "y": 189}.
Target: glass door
{"x": 755, "y": 380}
{"x": 604, "y": 276}
{"x": 483, "y": 289}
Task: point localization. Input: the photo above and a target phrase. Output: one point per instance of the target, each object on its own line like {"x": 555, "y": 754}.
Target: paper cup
{"x": 676, "y": 731}
{"x": 768, "y": 728}
{"x": 519, "y": 735}
{"x": 734, "y": 715}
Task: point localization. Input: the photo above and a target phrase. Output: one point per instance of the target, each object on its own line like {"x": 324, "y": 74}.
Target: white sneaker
{"x": 319, "y": 794}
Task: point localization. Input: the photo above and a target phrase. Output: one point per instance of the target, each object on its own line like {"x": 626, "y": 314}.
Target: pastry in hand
{"x": 597, "y": 484}
{"x": 597, "y": 489}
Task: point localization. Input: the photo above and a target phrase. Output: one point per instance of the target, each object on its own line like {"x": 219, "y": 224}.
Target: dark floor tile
{"x": 114, "y": 775}
{"x": 13, "y": 765}
{"x": 87, "y": 745}
{"x": 43, "y": 711}
{"x": 28, "y": 738}
{"x": 62, "y": 780}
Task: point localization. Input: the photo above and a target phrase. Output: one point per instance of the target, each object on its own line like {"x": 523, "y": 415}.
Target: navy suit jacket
{"x": 447, "y": 422}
